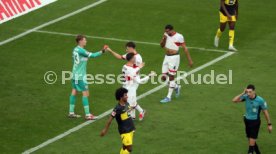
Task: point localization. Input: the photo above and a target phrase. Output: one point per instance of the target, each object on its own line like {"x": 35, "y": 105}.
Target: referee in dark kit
{"x": 254, "y": 105}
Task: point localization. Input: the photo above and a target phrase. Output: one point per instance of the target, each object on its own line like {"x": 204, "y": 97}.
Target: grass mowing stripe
{"x": 139, "y": 97}
{"x": 120, "y": 40}
{"x": 51, "y": 22}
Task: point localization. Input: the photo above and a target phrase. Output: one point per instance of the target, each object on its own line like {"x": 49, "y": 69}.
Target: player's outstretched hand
{"x": 103, "y": 132}
{"x": 269, "y": 127}
{"x": 191, "y": 63}
{"x": 152, "y": 73}
{"x": 141, "y": 65}
{"x": 105, "y": 47}
{"x": 229, "y": 18}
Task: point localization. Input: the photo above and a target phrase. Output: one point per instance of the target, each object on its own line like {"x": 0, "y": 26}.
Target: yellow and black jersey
{"x": 123, "y": 118}
{"x": 231, "y": 6}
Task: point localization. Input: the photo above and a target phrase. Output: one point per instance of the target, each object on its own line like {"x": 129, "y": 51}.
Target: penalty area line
{"x": 108, "y": 112}
{"x": 121, "y": 40}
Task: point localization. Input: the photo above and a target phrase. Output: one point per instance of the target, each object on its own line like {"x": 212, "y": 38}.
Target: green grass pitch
{"x": 203, "y": 120}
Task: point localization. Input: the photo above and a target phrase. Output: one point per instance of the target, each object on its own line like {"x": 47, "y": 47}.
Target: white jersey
{"x": 132, "y": 77}
{"x": 173, "y": 42}
{"x": 138, "y": 59}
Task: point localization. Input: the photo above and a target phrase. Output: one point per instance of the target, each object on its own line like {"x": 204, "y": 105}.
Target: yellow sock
{"x": 219, "y": 33}
{"x": 231, "y": 37}
{"x": 124, "y": 151}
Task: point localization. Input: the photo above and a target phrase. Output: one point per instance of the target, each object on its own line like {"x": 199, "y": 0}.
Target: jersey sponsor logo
{"x": 124, "y": 116}
{"x": 10, "y": 9}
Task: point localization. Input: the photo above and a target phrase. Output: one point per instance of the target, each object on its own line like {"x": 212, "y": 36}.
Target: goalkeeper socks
{"x": 72, "y": 104}
{"x": 85, "y": 104}
{"x": 231, "y": 37}
{"x": 219, "y": 33}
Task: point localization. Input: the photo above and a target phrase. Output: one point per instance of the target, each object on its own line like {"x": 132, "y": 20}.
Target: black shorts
{"x": 252, "y": 128}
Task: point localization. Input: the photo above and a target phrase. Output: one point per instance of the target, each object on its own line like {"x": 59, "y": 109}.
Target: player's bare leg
{"x": 72, "y": 105}
{"x": 85, "y": 102}
{"x": 219, "y": 33}
{"x": 232, "y": 35}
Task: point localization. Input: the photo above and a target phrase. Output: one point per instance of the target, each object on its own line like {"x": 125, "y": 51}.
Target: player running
{"x": 131, "y": 82}
{"x": 131, "y": 48}
{"x": 79, "y": 83}
{"x": 254, "y": 105}
{"x": 125, "y": 123}
{"x": 171, "y": 42}
{"x": 228, "y": 14}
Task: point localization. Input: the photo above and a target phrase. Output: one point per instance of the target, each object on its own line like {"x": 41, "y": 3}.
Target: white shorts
{"x": 132, "y": 100}
{"x": 170, "y": 64}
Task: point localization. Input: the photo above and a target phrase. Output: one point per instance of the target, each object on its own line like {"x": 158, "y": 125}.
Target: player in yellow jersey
{"x": 228, "y": 14}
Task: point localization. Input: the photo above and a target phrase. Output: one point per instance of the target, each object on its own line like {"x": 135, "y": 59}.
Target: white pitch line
{"x": 52, "y": 22}
{"x": 138, "y": 98}
{"x": 120, "y": 40}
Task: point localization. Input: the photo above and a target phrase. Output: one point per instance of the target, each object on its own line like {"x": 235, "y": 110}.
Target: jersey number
{"x": 76, "y": 58}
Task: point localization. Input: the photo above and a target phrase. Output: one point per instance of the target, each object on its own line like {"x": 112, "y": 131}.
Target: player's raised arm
{"x": 115, "y": 54}
{"x": 222, "y": 4}
{"x": 99, "y": 53}
{"x": 186, "y": 51}
{"x": 104, "y": 131}
{"x": 239, "y": 98}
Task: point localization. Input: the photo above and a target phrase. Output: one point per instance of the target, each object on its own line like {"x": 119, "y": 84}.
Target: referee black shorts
{"x": 252, "y": 128}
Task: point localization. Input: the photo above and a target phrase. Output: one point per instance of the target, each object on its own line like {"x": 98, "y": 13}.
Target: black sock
{"x": 256, "y": 148}
{"x": 250, "y": 149}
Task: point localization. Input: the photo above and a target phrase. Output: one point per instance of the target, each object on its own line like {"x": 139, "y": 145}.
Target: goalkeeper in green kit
{"x": 79, "y": 82}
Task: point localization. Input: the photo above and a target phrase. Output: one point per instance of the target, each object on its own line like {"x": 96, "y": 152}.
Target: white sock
{"x": 138, "y": 108}
{"x": 170, "y": 92}
{"x": 176, "y": 86}
{"x": 132, "y": 113}
{"x": 172, "y": 86}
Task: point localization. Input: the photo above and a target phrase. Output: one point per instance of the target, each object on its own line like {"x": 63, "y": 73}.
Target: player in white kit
{"x": 132, "y": 80}
{"x": 130, "y": 48}
{"x": 171, "y": 42}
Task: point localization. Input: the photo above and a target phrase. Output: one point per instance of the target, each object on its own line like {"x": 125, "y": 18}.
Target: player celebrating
{"x": 254, "y": 105}
{"x": 228, "y": 14}
{"x": 125, "y": 124}
{"x": 79, "y": 83}
{"x": 131, "y": 48}
{"x": 131, "y": 82}
{"x": 171, "y": 42}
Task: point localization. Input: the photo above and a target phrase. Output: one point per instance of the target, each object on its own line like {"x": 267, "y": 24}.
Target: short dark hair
{"x": 120, "y": 93}
{"x": 129, "y": 56}
{"x": 79, "y": 38}
{"x": 131, "y": 44}
{"x": 170, "y": 27}
{"x": 251, "y": 86}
